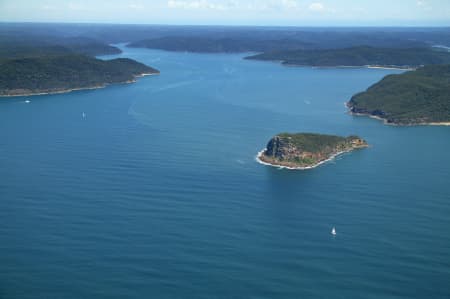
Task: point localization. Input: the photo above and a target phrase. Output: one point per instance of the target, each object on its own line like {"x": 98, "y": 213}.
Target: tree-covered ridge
{"x": 266, "y": 39}
{"x": 22, "y": 47}
{"x": 31, "y": 64}
{"x": 209, "y": 44}
{"x": 307, "y": 149}
{"x": 55, "y": 73}
{"x": 359, "y": 56}
{"x": 415, "y": 97}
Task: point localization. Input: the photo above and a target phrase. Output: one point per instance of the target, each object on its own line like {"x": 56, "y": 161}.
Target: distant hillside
{"x": 359, "y": 56}
{"x": 88, "y": 46}
{"x": 26, "y": 46}
{"x": 318, "y": 37}
{"x": 415, "y": 97}
{"x": 59, "y": 73}
{"x": 207, "y": 44}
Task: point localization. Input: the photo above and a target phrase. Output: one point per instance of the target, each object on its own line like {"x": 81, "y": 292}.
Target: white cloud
{"x": 316, "y": 6}
{"x": 250, "y": 5}
{"x": 197, "y": 4}
{"x": 423, "y": 4}
{"x": 289, "y": 4}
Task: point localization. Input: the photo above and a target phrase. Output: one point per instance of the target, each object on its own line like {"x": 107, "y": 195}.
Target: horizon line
{"x": 225, "y": 25}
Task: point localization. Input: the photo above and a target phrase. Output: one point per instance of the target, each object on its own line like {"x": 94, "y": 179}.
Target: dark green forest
{"x": 62, "y": 72}
{"x": 359, "y": 56}
{"x": 31, "y": 64}
{"x": 420, "y": 96}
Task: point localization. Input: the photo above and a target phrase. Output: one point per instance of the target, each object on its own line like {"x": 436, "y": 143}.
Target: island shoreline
{"x": 332, "y": 157}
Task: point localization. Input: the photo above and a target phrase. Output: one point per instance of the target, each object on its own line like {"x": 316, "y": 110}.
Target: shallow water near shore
{"x": 151, "y": 190}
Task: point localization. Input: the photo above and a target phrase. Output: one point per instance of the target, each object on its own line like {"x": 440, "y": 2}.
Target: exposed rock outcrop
{"x": 307, "y": 150}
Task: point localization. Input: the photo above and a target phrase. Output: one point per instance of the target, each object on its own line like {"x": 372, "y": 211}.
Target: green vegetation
{"x": 267, "y": 40}
{"x": 415, "y": 97}
{"x": 57, "y": 73}
{"x": 359, "y": 56}
{"x": 312, "y": 142}
{"x": 208, "y": 44}
{"x": 305, "y": 150}
{"x": 16, "y": 47}
{"x": 33, "y": 64}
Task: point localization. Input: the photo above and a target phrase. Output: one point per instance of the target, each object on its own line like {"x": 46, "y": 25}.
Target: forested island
{"x": 52, "y": 65}
{"x": 306, "y": 150}
{"x": 415, "y": 97}
{"x": 359, "y": 56}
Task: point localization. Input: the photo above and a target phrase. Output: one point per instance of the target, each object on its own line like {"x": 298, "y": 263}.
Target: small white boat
{"x": 27, "y": 101}
{"x": 83, "y": 115}
{"x": 333, "y": 231}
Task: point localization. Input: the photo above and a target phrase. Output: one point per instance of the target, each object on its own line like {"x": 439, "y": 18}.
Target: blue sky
{"x": 232, "y": 12}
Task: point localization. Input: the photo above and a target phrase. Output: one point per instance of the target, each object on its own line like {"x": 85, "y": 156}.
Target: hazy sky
{"x": 232, "y": 12}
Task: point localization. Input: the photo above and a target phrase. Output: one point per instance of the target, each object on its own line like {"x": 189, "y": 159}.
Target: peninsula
{"x": 413, "y": 98}
{"x": 31, "y": 65}
{"x": 359, "y": 57}
{"x": 306, "y": 150}
{"x": 65, "y": 72}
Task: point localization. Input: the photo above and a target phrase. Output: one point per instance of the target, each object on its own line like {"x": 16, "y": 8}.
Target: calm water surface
{"x": 155, "y": 193}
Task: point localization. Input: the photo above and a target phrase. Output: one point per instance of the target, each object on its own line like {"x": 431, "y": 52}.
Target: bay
{"x": 155, "y": 191}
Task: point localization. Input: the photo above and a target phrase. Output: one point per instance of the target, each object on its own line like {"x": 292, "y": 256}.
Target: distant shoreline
{"x": 332, "y": 157}
{"x": 67, "y": 90}
{"x": 407, "y": 68}
{"x": 387, "y": 67}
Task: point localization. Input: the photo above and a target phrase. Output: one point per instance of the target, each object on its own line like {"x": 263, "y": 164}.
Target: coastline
{"x": 385, "y": 122}
{"x": 364, "y": 67}
{"x": 368, "y": 66}
{"x": 56, "y": 91}
{"x": 444, "y": 123}
{"x": 393, "y": 67}
{"x": 332, "y": 157}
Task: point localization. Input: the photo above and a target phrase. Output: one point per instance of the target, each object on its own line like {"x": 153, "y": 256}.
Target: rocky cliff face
{"x": 353, "y": 106}
{"x": 306, "y": 149}
{"x": 278, "y": 147}
{"x": 283, "y": 149}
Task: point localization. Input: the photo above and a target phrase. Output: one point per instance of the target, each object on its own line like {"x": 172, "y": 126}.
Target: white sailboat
{"x": 333, "y": 231}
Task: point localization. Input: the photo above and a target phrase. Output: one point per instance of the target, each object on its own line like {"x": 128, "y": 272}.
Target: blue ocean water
{"x": 155, "y": 191}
